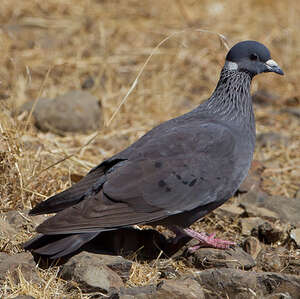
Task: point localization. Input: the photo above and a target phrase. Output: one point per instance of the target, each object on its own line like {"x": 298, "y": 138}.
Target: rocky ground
{"x": 65, "y": 67}
{"x": 264, "y": 264}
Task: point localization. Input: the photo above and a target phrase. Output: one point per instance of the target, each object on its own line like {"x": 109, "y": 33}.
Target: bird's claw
{"x": 207, "y": 241}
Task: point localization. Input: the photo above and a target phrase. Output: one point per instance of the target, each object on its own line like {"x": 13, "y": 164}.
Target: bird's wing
{"x": 187, "y": 167}
{"x": 180, "y": 170}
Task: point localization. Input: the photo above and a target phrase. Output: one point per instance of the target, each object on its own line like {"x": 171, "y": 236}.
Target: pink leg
{"x": 207, "y": 240}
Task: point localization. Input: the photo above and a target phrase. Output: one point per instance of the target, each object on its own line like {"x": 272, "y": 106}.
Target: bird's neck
{"x": 231, "y": 99}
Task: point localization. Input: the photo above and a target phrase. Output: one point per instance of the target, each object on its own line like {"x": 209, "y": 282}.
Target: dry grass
{"x": 48, "y": 48}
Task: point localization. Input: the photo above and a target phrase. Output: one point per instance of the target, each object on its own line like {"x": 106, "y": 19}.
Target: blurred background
{"x": 84, "y": 56}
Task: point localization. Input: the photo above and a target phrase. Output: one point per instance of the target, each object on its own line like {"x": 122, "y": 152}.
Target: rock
{"x": 254, "y": 211}
{"x": 279, "y": 296}
{"x": 253, "y": 179}
{"x": 269, "y": 233}
{"x": 234, "y": 283}
{"x": 19, "y": 262}
{"x": 137, "y": 296}
{"x": 271, "y": 139}
{"x": 88, "y": 270}
{"x": 278, "y": 259}
{"x": 295, "y": 235}
{"x": 252, "y": 246}
{"x": 270, "y": 283}
{"x": 227, "y": 283}
{"x": 14, "y": 220}
{"x": 143, "y": 292}
{"x": 75, "y": 111}
{"x": 25, "y": 36}
{"x": 235, "y": 257}
{"x": 286, "y": 209}
{"x": 186, "y": 288}
{"x": 264, "y": 230}
{"x": 270, "y": 259}
{"x": 229, "y": 210}
{"x": 250, "y": 225}
{"x": 7, "y": 230}
{"x": 292, "y": 264}
{"x": 118, "y": 264}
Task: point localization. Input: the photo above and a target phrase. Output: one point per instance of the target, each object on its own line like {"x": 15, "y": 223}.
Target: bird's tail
{"x": 58, "y": 245}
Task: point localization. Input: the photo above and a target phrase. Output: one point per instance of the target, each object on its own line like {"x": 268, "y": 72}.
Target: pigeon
{"x": 173, "y": 175}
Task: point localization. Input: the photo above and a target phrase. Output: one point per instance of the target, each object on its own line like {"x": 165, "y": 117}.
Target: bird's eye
{"x": 254, "y": 57}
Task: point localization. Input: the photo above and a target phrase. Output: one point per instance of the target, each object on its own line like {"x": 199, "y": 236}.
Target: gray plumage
{"x": 173, "y": 175}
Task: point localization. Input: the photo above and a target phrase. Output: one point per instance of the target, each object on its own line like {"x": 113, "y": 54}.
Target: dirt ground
{"x": 51, "y": 47}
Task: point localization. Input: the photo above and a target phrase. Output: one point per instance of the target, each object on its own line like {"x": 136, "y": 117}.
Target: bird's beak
{"x": 272, "y": 66}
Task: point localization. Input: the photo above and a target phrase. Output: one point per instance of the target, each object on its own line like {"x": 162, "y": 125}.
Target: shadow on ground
{"x": 143, "y": 245}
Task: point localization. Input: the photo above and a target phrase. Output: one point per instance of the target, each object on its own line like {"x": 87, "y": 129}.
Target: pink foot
{"x": 207, "y": 240}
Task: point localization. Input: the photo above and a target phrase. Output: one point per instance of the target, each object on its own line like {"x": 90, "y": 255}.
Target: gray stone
{"x": 7, "y": 230}
{"x": 183, "y": 288}
{"x": 14, "y": 218}
{"x": 269, "y": 259}
{"x": 285, "y": 209}
{"x": 235, "y": 257}
{"x": 252, "y": 246}
{"x": 229, "y": 210}
{"x": 279, "y": 296}
{"x": 228, "y": 283}
{"x": 88, "y": 270}
{"x": 270, "y": 282}
{"x": 12, "y": 264}
{"x": 10, "y": 223}
{"x": 186, "y": 288}
{"x": 75, "y": 111}
{"x": 144, "y": 292}
{"x": 234, "y": 283}
{"x": 250, "y": 225}
{"x": 118, "y": 264}
{"x": 252, "y": 210}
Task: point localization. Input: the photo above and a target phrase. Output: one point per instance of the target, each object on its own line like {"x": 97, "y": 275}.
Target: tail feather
{"x": 58, "y": 246}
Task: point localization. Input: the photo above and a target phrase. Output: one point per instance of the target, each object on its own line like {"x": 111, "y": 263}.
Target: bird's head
{"x": 251, "y": 57}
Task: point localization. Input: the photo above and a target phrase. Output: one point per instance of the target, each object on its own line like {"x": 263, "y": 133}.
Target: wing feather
{"x": 179, "y": 171}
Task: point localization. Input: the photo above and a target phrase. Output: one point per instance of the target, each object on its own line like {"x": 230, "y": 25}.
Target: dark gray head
{"x": 251, "y": 57}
